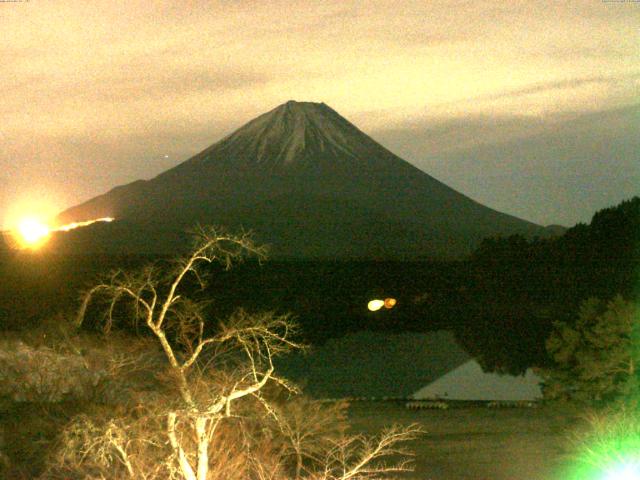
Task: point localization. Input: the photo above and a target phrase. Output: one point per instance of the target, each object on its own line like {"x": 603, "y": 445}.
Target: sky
{"x": 530, "y": 107}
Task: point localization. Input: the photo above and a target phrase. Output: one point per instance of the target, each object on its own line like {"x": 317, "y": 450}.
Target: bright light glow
{"x": 390, "y": 303}
{"x": 32, "y": 232}
{"x": 71, "y": 226}
{"x": 627, "y": 471}
{"x": 375, "y": 305}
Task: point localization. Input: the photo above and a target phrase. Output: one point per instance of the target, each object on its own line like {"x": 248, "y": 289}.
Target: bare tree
{"x": 309, "y": 429}
{"x": 358, "y": 457}
{"x": 160, "y": 306}
{"x": 316, "y": 437}
{"x": 211, "y": 374}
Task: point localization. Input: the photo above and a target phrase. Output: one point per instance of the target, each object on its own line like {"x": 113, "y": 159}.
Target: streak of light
{"x": 71, "y": 226}
{"x": 32, "y": 232}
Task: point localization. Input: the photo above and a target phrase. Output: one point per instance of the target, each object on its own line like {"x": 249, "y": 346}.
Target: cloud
{"x": 559, "y": 169}
{"x": 602, "y": 52}
{"x": 567, "y": 84}
{"x": 93, "y": 85}
{"x": 418, "y": 139}
{"x": 152, "y": 79}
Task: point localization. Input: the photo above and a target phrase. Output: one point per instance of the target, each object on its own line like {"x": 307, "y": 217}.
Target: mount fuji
{"x": 307, "y": 182}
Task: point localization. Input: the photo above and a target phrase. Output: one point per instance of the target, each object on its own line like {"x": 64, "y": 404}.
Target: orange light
{"x": 390, "y": 303}
{"x": 32, "y": 233}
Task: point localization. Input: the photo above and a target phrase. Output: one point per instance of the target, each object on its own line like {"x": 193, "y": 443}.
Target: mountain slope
{"x": 309, "y": 183}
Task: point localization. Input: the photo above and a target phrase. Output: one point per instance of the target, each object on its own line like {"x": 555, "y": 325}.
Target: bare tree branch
{"x": 214, "y": 376}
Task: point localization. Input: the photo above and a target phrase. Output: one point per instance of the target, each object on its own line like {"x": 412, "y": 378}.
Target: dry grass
{"x": 476, "y": 443}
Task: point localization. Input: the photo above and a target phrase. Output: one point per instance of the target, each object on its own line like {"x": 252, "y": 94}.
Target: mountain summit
{"x": 309, "y": 183}
{"x": 292, "y": 136}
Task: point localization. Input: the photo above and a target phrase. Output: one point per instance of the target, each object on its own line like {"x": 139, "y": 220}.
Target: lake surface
{"x": 476, "y": 443}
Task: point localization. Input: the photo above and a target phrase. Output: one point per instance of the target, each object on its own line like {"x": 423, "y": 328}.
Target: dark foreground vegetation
{"x": 501, "y": 302}
{"x": 176, "y": 400}
{"x": 506, "y": 304}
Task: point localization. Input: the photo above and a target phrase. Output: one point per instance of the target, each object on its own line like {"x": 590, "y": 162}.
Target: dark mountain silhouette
{"x": 307, "y": 182}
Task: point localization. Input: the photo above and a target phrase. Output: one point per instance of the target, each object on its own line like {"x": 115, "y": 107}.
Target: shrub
{"x": 596, "y": 359}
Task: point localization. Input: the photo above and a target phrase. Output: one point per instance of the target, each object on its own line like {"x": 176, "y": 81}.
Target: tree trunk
{"x": 203, "y": 447}
{"x": 298, "y": 464}
{"x": 183, "y": 461}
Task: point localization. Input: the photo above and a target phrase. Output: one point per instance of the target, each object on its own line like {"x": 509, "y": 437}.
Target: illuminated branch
{"x": 212, "y": 374}
{"x": 259, "y": 337}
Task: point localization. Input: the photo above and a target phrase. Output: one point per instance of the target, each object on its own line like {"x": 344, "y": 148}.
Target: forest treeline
{"x": 501, "y": 302}
{"x": 520, "y": 287}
